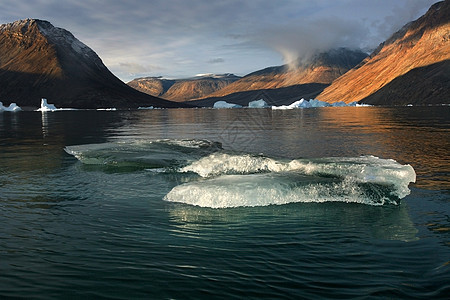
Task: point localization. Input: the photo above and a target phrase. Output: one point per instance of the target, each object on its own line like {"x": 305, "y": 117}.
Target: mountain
{"x": 38, "y": 60}
{"x": 183, "y": 89}
{"x": 323, "y": 69}
{"x": 412, "y": 66}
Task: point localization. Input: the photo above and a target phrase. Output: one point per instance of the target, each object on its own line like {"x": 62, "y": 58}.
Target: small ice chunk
{"x": 145, "y": 107}
{"x": 45, "y": 106}
{"x": 13, "y": 107}
{"x": 224, "y": 104}
{"x": 318, "y": 103}
{"x": 339, "y": 104}
{"x": 258, "y": 104}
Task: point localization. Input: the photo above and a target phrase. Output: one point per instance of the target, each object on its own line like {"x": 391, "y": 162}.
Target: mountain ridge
{"x": 323, "y": 68}
{"x": 38, "y": 60}
{"x": 418, "y": 44}
{"x": 183, "y": 89}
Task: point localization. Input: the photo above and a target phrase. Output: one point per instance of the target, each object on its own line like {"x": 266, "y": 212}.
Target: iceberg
{"x": 145, "y": 107}
{"x": 13, "y": 107}
{"x": 302, "y": 103}
{"x": 46, "y": 107}
{"x": 258, "y": 104}
{"x": 224, "y": 104}
{"x": 316, "y": 103}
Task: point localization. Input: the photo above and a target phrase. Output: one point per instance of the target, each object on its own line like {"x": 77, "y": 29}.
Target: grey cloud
{"x": 299, "y": 39}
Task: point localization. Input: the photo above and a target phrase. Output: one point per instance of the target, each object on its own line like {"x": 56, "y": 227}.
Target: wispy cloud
{"x": 177, "y": 35}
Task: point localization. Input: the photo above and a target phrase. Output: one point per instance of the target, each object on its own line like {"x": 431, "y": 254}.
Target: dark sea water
{"x": 112, "y": 224}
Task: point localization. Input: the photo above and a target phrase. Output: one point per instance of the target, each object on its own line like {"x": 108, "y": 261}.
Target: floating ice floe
{"x": 209, "y": 176}
{"x": 145, "y": 107}
{"x": 258, "y": 104}
{"x": 224, "y": 104}
{"x": 12, "y": 107}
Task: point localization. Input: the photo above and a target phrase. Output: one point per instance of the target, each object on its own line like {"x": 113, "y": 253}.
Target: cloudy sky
{"x": 182, "y": 38}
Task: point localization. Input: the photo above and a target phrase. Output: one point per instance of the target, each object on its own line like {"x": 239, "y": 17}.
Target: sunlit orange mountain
{"x": 38, "y": 60}
{"x": 411, "y": 67}
{"x": 323, "y": 69}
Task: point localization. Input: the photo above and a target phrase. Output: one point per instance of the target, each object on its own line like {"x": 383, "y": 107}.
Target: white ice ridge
{"x": 363, "y": 169}
{"x": 12, "y": 107}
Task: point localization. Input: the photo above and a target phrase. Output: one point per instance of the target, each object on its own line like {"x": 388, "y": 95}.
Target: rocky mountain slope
{"x": 323, "y": 69}
{"x": 38, "y": 60}
{"x": 412, "y": 66}
{"x": 183, "y": 89}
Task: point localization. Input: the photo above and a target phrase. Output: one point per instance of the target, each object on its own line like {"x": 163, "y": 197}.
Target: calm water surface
{"x": 70, "y": 230}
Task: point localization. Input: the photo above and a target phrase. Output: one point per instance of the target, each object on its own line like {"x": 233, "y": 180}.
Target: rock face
{"x": 183, "y": 89}
{"x": 323, "y": 69}
{"x": 412, "y": 66}
{"x": 38, "y": 60}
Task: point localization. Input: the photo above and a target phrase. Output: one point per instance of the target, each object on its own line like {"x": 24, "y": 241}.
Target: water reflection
{"x": 416, "y": 136}
{"x": 386, "y": 223}
{"x": 44, "y": 118}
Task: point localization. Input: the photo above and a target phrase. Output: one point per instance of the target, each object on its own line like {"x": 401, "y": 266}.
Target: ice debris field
{"x": 46, "y": 107}
{"x": 302, "y": 103}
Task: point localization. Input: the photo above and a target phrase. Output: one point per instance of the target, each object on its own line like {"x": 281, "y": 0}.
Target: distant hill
{"x": 38, "y": 60}
{"x": 323, "y": 69}
{"x": 412, "y": 66}
{"x": 183, "y": 89}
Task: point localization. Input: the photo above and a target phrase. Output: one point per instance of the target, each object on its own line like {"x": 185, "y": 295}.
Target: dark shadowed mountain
{"x": 183, "y": 89}
{"x": 38, "y": 60}
{"x": 412, "y": 66}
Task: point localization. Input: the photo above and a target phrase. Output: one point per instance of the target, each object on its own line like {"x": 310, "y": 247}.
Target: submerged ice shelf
{"x": 216, "y": 178}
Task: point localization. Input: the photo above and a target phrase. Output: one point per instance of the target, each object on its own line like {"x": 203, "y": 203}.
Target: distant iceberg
{"x": 314, "y": 103}
{"x": 300, "y": 104}
{"x": 46, "y": 107}
{"x": 145, "y": 107}
{"x": 223, "y": 104}
{"x": 258, "y": 104}
{"x": 12, "y": 107}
